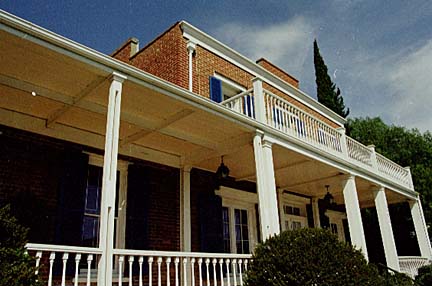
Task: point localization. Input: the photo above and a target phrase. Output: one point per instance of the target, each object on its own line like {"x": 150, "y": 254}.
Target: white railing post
{"x": 355, "y": 222}
{"x": 109, "y": 178}
{"x": 420, "y": 228}
{"x": 258, "y": 94}
{"x": 373, "y": 158}
{"x": 266, "y": 186}
{"x": 410, "y": 180}
{"x": 386, "y": 229}
{"x": 343, "y": 142}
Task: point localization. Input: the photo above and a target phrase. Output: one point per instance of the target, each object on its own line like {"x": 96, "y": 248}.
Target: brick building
{"x": 173, "y": 161}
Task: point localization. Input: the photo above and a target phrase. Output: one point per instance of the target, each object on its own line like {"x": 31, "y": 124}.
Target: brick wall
{"x": 278, "y": 72}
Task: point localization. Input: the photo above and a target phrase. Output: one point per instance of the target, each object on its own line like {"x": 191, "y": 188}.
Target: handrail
{"x": 179, "y": 254}
{"x": 62, "y": 248}
{"x": 233, "y": 98}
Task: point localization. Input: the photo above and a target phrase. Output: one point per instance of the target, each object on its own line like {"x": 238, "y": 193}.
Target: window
{"x": 336, "y": 223}
{"x": 292, "y": 211}
{"x": 238, "y": 220}
{"x": 92, "y": 205}
{"x": 222, "y": 88}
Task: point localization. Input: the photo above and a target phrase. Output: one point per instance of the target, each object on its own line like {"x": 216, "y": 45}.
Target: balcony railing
{"x": 284, "y": 116}
{"x": 138, "y": 267}
{"x": 410, "y": 264}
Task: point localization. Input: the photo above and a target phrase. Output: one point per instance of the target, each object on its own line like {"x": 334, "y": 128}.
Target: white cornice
{"x": 194, "y": 34}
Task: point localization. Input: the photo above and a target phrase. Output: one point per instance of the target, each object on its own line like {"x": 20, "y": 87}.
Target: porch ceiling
{"x": 70, "y": 103}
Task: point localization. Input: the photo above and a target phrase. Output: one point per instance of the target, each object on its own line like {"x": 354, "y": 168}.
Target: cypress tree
{"x": 327, "y": 92}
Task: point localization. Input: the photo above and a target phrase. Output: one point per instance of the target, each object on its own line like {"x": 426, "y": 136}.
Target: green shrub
{"x": 424, "y": 276}
{"x": 309, "y": 257}
{"x": 16, "y": 267}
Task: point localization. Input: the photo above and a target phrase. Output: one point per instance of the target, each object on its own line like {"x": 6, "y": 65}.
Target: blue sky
{"x": 378, "y": 52}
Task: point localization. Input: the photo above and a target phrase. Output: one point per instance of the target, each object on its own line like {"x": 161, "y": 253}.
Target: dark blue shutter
{"x": 309, "y": 213}
{"x": 137, "y": 208}
{"x": 71, "y": 198}
{"x": 215, "y": 89}
{"x": 210, "y": 216}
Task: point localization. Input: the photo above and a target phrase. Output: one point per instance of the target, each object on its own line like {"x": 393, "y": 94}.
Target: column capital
{"x": 118, "y": 77}
{"x": 191, "y": 46}
{"x": 347, "y": 177}
{"x": 266, "y": 143}
{"x": 259, "y": 133}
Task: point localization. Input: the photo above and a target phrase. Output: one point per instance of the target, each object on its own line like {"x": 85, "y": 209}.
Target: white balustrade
{"x": 393, "y": 170}
{"x": 243, "y": 103}
{"x": 410, "y": 264}
{"x": 359, "y": 152}
{"x": 291, "y": 120}
{"x": 219, "y": 269}
{"x": 49, "y": 256}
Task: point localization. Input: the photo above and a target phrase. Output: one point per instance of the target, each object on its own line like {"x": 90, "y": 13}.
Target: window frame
{"x": 122, "y": 168}
{"x": 237, "y": 199}
{"x": 228, "y": 83}
{"x": 336, "y": 218}
{"x": 286, "y": 199}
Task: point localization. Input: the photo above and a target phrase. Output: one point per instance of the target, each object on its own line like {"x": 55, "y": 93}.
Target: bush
{"x": 309, "y": 257}
{"x": 424, "y": 276}
{"x": 16, "y": 267}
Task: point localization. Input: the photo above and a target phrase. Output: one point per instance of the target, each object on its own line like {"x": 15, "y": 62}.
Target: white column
{"x": 109, "y": 177}
{"x": 420, "y": 228}
{"x": 259, "y": 100}
{"x": 191, "y": 49}
{"x": 185, "y": 211}
{"x": 386, "y": 229}
{"x": 315, "y": 212}
{"x": 354, "y": 215}
{"x": 266, "y": 187}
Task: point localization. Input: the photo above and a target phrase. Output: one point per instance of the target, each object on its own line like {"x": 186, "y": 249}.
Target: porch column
{"x": 266, "y": 187}
{"x": 315, "y": 212}
{"x": 109, "y": 178}
{"x": 420, "y": 228}
{"x": 185, "y": 214}
{"x": 386, "y": 229}
{"x": 355, "y": 223}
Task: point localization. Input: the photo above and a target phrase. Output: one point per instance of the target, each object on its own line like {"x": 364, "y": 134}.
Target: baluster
{"x": 168, "y": 261}
{"x": 221, "y": 271}
{"x": 200, "y": 271}
{"x": 185, "y": 271}
{"x": 131, "y": 260}
{"x": 77, "y": 261}
{"x": 38, "y": 259}
{"x": 159, "y": 263}
{"x": 207, "y": 262}
{"x": 176, "y": 264}
{"x": 150, "y": 262}
{"x": 227, "y": 262}
{"x": 89, "y": 261}
{"x": 214, "y": 271}
{"x": 246, "y": 264}
{"x": 64, "y": 258}
{"x": 51, "y": 262}
{"x": 120, "y": 274}
{"x": 140, "y": 263}
{"x": 192, "y": 265}
{"x": 234, "y": 266}
{"x": 240, "y": 262}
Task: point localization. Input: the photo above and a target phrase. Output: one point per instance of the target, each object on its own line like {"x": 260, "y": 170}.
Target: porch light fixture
{"x": 222, "y": 171}
{"x": 328, "y": 198}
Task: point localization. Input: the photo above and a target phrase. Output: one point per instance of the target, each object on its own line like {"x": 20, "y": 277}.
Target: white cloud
{"x": 286, "y": 44}
{"x": 410, "y": 80}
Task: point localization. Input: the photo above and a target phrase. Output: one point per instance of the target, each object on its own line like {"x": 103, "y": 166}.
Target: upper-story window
{"x": 222, "y": 88}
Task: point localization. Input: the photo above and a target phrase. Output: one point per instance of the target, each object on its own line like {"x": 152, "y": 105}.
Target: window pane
{"x": 244, "y": 218}
{"x": 90, "y": 231}
{"x": 226, "y": 230}
{"x": 237, "y": 216}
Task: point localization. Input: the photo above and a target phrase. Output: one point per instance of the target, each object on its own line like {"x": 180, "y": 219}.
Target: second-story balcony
{"x": 275, "y": 111}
